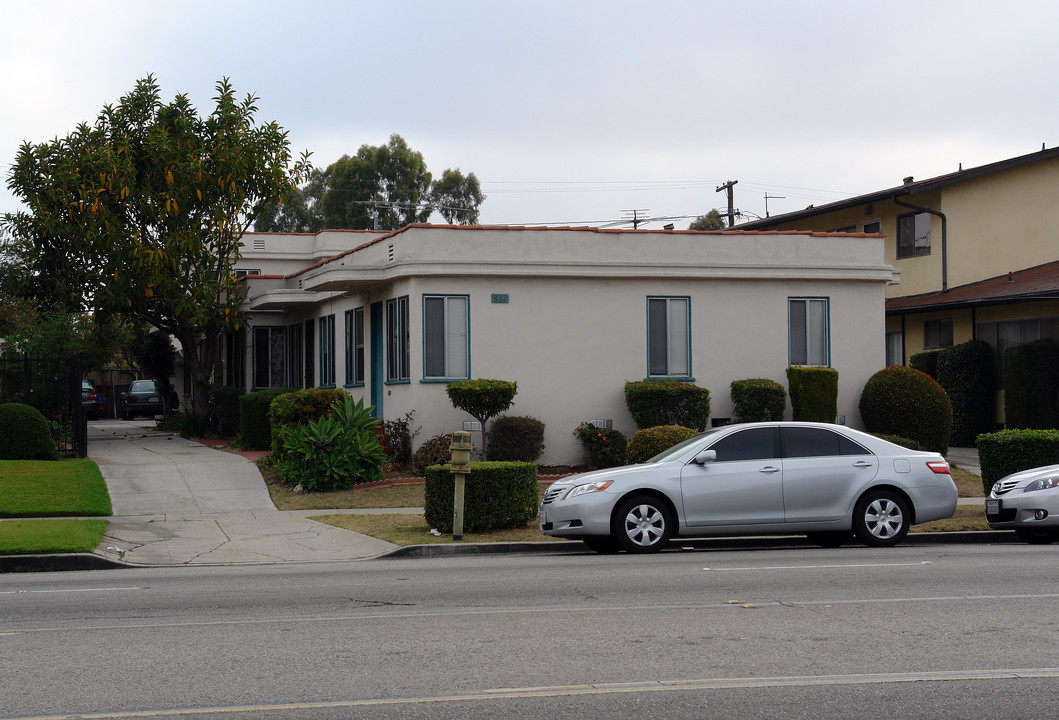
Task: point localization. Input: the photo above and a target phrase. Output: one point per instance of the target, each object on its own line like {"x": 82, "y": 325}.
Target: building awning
{"x": 1036, "y": 283}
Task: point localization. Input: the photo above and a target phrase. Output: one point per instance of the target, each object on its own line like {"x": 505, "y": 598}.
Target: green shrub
{"x": 667, "y": 402}
{"x": 926, "y": 362}
{"x": 434, "y": 451}
{"x": 758, "y": 400}
{"x": 516, "y": 438}
{"x": 647, "y": 443}
{"x": 255, "y": 432}
{"x": 900, "y": 400}
{"x": 1031, "y": 385}
{"x": 606, "y": 446}
{"x": 25, "y": 434}
{"x": 497, "y": 495}
{"x": 902, "y": 441}
{"x": 186, "y": 424}
{"x": 399, "y": 437}
{"x": 483, "y": 400}
{"x": 298, "y": 408}
{"x": 1010, "y": 451}
{"x": 332, "y": 452}
{"x": 814, "y": 393}
{"x": 965, "y": 372}
{"x": 224, "y": 404}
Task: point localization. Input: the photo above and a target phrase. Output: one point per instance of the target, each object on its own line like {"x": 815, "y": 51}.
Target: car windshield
{"x": 679, "y": 448}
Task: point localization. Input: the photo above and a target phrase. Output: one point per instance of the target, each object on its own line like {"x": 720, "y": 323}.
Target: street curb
{"x": 59, "y": 562}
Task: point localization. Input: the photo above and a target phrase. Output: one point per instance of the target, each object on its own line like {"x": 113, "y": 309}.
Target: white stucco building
{"x": 570, "y": 314}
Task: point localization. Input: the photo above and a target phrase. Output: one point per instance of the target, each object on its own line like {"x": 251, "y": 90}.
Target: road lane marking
{"x": 69, "y": 590}
{"x": 819, "y": 567}
{"x": 704, "y": 684}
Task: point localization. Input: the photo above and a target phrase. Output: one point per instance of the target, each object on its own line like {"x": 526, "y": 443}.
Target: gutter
{"x": 944, "y": 239}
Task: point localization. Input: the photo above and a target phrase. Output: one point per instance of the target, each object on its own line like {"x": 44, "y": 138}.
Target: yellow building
{"x": 977, "y": 251}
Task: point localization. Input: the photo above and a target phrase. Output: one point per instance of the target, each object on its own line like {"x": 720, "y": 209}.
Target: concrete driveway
{"x": 177, "y": 502}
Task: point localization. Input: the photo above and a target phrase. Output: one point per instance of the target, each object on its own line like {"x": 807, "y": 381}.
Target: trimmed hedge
{"x": 900, "y": 400}
{"x": 25, "y": 434}
{"x": 606, "y": 446}
{"x": 667, "y": 402}
{"x": 647, "y": 443}
{"x": 902, "y": 441}
{"x": 1010, "y": 451}
{"x": 965, "y": 372}
{"x": 497, "y": 495}
{"x": 1031, "y": 385}
{"x": 516, "y": 438}
{"x": 814, "y": 393}
{"x": 255, "y": 432}
{"x": 299, "y": 408}
{"x": 758, "y": 400}
{"x": 926, "y": 362}
{"x": 225, "y": 409}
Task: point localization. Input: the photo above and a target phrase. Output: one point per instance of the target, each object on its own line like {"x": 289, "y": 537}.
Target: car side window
{"x": 817, "y": 442}
{"x": 753, "y": 444}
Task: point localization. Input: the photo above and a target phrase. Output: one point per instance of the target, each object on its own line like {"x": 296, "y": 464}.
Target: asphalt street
{"x": 921, "y": 630}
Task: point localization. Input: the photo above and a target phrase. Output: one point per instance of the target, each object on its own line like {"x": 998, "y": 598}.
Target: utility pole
{"x": 731, "y": 200}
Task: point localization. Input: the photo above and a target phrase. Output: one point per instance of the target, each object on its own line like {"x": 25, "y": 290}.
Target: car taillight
{"x": 939, "y": 466}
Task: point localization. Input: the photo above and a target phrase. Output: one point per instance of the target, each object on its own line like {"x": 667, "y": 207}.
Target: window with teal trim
{"x": 355, "y": 346}
{"x": 327, "y": 351}
{"x": 397, "y": 334}
{"x": 445, "y": 337}
{"x": 668, "y": 337}
{"x": 809, "y": 336}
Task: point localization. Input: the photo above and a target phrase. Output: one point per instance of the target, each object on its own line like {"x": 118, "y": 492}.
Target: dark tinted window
{"x": 817, "y": 442}
{"x": 754, "y": 444}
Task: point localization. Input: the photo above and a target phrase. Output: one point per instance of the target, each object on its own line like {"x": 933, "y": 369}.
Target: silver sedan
{"x": 827, "y": 481}
{"x": 1028, "y": 503}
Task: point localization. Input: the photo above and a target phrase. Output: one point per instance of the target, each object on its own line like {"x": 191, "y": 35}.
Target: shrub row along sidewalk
{"x": 34, "y": 494}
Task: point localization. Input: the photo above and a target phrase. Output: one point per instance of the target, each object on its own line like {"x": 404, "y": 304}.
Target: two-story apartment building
{"x": 570, "y": 314}
{"x": 977, "y": 251}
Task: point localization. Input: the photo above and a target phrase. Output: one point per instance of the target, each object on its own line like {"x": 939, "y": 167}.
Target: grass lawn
{"x": 68, "y": 535}
{"x": 56, "y": 488}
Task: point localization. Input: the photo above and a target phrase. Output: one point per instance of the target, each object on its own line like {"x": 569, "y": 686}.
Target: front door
{"x": 743, "y": 486}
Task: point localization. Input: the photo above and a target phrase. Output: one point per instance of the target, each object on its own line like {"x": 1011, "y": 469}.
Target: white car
{"x": 827, "y": 481}
{"x": 1028, "y": 503}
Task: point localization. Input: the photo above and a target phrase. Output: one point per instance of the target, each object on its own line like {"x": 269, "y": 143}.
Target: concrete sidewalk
{"x": 177, "y": 502}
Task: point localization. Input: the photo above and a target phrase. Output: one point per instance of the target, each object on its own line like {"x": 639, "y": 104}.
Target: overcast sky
{"x": 573, "y": 112}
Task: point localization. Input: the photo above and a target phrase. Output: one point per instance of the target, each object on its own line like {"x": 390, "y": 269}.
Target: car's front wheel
{"x": 642, "y": 524}
{"x": 881, "y": 519}
{"x": 1037, "y": 537}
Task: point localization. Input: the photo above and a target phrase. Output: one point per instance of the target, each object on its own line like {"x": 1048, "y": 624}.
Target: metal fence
{"x": 53, "y": 386}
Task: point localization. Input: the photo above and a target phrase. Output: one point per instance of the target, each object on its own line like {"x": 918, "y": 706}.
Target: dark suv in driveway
{"x": 143, "y": 398}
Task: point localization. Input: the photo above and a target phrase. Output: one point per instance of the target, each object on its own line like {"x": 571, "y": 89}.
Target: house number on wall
{"x": 500, "y": 298}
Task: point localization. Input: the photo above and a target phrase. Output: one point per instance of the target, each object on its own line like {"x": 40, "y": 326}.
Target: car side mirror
{"x": 706, "y": 456}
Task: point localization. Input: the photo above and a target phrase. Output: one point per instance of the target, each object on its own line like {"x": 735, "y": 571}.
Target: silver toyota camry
{"x": 827, "y": 481}
{"x": 1028, "y": 503}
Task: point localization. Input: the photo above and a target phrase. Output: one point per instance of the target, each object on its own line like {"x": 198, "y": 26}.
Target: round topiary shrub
{"x": 25, "y": 434}
{"x": 905, "y": 402}
{"x": 434, "y": 451}
{"x": 647, "y": 443}
{"x": 605, "y": 446}
{"x": 516, "y": 439}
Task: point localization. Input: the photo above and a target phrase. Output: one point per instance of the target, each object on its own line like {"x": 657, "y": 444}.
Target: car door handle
{"x": 863, "y": 464}
{"x": 769, "y": 469}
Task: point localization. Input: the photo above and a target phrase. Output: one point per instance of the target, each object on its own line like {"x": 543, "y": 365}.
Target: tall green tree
{"x": 141, "y": 213}
{"x": 713, "y": 220}
{"x": 457, "y": 197}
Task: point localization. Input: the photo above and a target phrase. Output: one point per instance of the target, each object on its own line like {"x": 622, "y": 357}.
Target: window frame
{"x": 327, "y": 351}
{"x": 913, "y": 249}
{"x": 268, "y": 357}
{"x": 670, "y": 373}
{"x": 355, "y": 347}
{"x": 451, "y": 373}
{"x": 397, "y": 340}
{"x": 807, "y": 327}
{"x": 941, "y": 329}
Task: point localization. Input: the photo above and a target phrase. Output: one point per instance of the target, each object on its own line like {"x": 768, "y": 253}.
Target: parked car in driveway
{"x": 90, "y": 400}
{"x": 144, "y": 397}
{"x": 1028, "y": 503}
{"x": 827, "y": 481}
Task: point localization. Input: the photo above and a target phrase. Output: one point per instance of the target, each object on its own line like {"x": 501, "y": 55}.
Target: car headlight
{"x": 1043, "y": 484}
{"x": 589, "y": 488}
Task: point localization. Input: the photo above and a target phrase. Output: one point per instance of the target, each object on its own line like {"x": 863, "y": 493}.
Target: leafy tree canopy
{"x": 141, "y": 213}
{"x": 713, "y": 220}
{"x": 384, "y": 187}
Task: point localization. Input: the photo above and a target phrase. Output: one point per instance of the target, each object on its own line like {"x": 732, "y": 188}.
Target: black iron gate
{"x": 53, "y": 386}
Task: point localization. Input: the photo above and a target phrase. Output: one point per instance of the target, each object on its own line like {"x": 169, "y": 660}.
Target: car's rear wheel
{"x": 642, "y": 524}
{"x": 830, "y": 539}
{"x": 881, "y": 519}
{"x": 1037, "y": 537}
{"x": 602, "y": 545}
